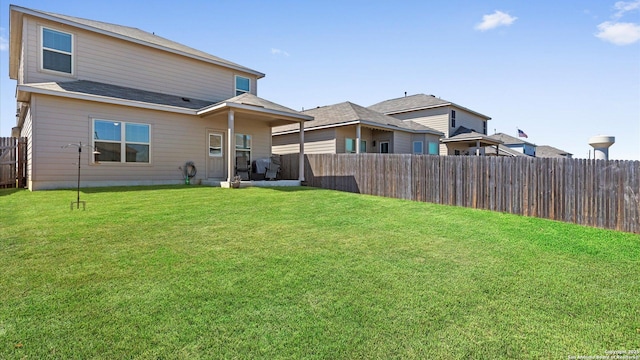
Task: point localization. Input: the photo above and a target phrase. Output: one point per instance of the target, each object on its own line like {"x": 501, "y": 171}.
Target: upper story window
{"x": 115, "y": 138}
{"x": 484, "y": 127}
{"x": 57, "y": 51}
{"x": 453, "y": 118}
{"x": 243, "y": 85}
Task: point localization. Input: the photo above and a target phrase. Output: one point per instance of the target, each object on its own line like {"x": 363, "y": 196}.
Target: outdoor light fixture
{"x": 95, "y": 152}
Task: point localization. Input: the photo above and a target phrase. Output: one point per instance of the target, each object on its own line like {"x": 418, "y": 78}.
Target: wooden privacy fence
{"x": 12, "y": 162}
{"x": 597, "y": 193}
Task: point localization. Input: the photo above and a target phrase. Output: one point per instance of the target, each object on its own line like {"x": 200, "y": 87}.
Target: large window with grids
{"x": 121, "y": 142}
{"x": 57, "y": 51}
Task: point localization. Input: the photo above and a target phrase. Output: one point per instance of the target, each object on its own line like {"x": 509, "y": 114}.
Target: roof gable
{"x": 347, "y": 113}
{"x": 129, "y": 34}
{"x": 408, "y": 103}
{"x": 415, "y": 103}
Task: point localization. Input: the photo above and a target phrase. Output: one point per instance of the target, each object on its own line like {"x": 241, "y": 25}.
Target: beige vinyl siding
{"x": 468, "y": 120}
{"x": 402, "y": 143}
{"x": 175, "y": 139}
{"x": 27, "y": 132}
{"x": 437, "y": 118}
{"x": 349, "y": 132}
{"x": 322, "y": 141}
{"x": 109, "y": 60}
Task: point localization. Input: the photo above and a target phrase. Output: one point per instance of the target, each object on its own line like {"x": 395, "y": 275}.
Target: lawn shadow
{"x": 10, "y": 191}
{"x": 119, "y": 189}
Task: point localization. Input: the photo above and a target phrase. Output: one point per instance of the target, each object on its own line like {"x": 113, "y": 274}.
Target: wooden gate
{"x": 13, "y": 158}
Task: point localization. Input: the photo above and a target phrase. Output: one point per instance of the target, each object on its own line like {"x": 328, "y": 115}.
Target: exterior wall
{"x": 27, "y": 133}
{"x": 109, "y": 60}
{"x": 381, "y": 136}
{"x": 426, "y": 139}
{"x": 345, "y": 132}
{"x": 57, "y": 122}
{"x": 321, "y": 141}
{"x": 440, "y": 119}
{"x": 402, "y": 143}
{"x": 468, "y": 120}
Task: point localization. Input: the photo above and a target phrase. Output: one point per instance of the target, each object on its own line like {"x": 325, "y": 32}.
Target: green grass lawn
{"x": 198, "y": 272}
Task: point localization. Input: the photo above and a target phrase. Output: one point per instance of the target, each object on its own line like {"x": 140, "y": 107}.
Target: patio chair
{"x": 243, "y": 168}
{"x": 273, "y": 169}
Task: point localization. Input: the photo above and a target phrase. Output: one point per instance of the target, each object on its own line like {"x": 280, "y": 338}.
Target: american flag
{"x": 522, "y": 134}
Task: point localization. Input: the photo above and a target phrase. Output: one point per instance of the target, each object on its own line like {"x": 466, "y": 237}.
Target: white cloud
{"x": 625, "y": 6}
{"x": 492, "y": 21}
{"x": 619, "y": 33}
{"x": 279, "y": 52}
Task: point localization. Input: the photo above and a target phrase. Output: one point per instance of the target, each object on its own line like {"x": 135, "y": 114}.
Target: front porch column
{"x": 231, "y": 146}
{"x": 358, "y": 134}
{"x": 477, "y": 147}
{"x": 301, "y": 159}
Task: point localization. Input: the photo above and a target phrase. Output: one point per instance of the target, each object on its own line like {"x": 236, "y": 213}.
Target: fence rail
{"x": 12, "y": 162}
{"x": 597, "y": 193}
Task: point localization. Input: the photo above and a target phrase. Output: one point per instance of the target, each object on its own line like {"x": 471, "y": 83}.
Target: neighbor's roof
{"x": 347, "y": 113}
{"x": 546, "y": 151}
{"x": 465, "y": 135}
{"x": 122, "y": 32}
{"x": 510, "y": 140}
{"x": 503, "y": 151}
{"x": 415, "y": 103}
{"x": 120, "y": 95}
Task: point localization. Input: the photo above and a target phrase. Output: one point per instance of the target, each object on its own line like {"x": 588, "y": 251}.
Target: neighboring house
{"x": 546, "y": 151}
{"x": 147, "y": 104}
{"x": 516, "y": 144}
{"x": 465, "y": 130}
{"x": 351, "y": 128}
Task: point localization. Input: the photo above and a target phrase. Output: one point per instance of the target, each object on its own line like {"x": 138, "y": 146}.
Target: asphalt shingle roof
{"x": 347, "y": 112}
{"x": 408, "y": 103}
{"x": 124, "y": 93}
{"x": 509, "y": 140}
{"x": 546, "y": 151}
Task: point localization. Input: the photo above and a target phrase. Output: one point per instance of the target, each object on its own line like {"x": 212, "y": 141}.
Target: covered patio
{"x": 254, "y": 113}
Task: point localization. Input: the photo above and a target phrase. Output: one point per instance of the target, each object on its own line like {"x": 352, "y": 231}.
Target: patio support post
{"x": 231, "y": 146}
{"x": 301, "y": 159}
{"x": 358, "y": 134}
{"x": 477, "y": 147}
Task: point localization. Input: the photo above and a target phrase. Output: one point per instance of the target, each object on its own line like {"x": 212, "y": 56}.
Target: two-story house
{"x": 350, "y": 128}
{"x": 147, "y": 105}
{"x": 465, "y": 130}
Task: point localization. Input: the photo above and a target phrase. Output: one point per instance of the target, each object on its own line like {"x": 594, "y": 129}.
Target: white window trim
{"x": 42, "y": 48}
{"x": 235, "y": 85}
{"x": 221, "y": 145}
{"x": 123, "y": 143}
{"x": 421, "y": 147}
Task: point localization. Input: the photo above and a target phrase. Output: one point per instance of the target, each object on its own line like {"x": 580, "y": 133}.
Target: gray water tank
{"x": 601, "y": 144}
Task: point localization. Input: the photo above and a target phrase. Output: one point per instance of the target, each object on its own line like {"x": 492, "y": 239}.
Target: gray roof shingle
{"x": 414, "y": 103}
{"x": 347, "y": 112}
{"x": 120, "y": 92}
{"x": 510, "y": 140}
{"x": 408, "y": 103}
{"x": 546, "y": 151}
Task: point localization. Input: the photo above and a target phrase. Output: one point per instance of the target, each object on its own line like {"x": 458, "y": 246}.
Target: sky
{"x": 561, "y": 71}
